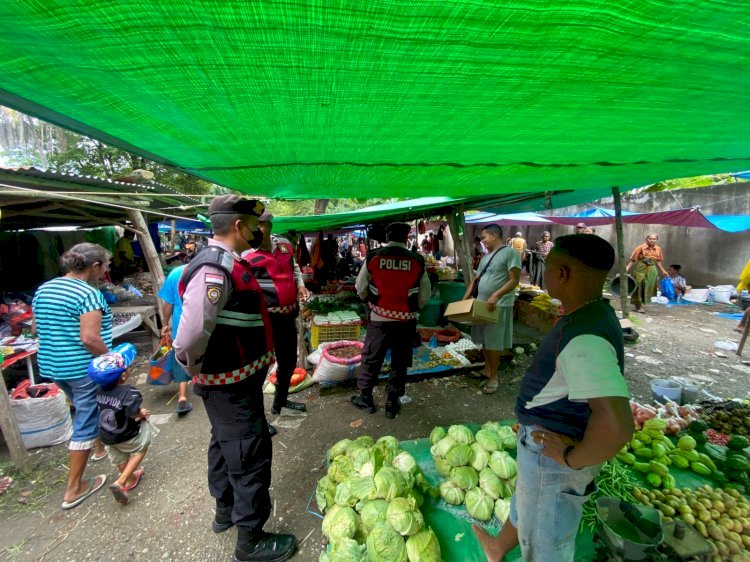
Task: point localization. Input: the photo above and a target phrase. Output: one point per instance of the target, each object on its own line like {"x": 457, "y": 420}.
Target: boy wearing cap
{"x": 121, "y": 415}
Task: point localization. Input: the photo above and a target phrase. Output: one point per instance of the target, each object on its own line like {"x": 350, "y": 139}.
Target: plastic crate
{"x": 334, "y": 332}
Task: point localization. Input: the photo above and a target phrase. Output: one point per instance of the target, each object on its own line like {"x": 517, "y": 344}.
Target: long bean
{"x": 613, "y": 481}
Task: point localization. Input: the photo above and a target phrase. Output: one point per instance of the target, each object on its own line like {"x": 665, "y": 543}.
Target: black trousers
{"x": 399, "y": 337}
{"x": 240, "y": 451}
{"x": 285, "y": 342}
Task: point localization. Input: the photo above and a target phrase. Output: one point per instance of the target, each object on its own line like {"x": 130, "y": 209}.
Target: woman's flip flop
{"x": 490, "y": 387}
{"x": 138, "y": 474}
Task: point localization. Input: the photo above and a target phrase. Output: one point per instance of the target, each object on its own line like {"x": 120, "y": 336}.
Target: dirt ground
{"x": 170, "y": 512}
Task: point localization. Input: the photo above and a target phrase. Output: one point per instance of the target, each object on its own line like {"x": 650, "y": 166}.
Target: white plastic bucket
{"x": 666, "y": 389}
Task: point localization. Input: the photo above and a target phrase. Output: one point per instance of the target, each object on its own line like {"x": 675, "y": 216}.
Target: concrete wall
{"x": 708, "y": 257}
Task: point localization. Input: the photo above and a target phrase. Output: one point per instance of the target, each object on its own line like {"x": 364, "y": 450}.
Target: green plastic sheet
{"x": 407, "y": 98}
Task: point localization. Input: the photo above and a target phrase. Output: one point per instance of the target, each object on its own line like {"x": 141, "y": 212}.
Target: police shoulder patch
{"x": 213, "y": 293}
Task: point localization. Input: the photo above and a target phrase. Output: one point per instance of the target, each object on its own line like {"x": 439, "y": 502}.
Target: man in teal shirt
{"x": 171, "y": 315}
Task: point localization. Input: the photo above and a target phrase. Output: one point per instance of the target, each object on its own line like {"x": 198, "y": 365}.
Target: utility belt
{"x": 237, "y": 375}
{"x": 394, "y": 314}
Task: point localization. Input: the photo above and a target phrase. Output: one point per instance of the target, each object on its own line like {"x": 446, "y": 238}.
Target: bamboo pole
{"x": 150, "y": 253}
{"x": 621, "y": 253}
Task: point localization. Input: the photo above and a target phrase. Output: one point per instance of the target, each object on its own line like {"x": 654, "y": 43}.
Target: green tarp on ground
{"x": 393, "y": 99}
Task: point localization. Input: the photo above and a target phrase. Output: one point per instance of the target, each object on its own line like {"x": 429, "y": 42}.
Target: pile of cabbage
{"x": 479, "y": 473}
{"x": 370, "y": 499}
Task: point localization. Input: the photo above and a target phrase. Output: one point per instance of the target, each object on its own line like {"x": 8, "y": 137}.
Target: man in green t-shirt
{"x": 500, "y": 272}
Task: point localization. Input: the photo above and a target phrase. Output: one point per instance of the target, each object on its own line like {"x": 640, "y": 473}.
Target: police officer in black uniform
{"x": 225, "y": 343}
{"x": 394, "y": 282}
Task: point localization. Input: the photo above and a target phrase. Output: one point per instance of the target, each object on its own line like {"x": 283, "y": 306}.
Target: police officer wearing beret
{"x": 225, "y": 343}
{"x": 394, "y": 283}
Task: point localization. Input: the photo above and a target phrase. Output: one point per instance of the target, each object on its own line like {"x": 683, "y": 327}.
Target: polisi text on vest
{"x": 395, "y": 264}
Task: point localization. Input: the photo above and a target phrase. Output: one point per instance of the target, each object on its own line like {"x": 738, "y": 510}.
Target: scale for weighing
{"x": 634, "y": 532}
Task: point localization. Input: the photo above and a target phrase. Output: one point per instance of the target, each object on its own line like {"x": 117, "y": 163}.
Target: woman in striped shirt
{"x": 74, "y": 324}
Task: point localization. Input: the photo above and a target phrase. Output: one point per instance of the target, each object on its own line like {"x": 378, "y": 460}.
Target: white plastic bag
{"x": 332, "y": 370}
{"x": 44, "y": 421}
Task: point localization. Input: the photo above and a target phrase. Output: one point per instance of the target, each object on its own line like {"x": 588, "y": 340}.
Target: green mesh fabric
{"x": 401, "y": 98}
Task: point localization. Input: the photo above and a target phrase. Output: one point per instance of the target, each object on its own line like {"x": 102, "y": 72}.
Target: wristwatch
{"x": 566, "y": 452}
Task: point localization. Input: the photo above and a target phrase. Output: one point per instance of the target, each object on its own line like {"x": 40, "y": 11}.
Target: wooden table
{"x": 149, "y": 315}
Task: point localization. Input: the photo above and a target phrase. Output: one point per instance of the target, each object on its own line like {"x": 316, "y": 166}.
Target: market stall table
{"x": 148, "y": 316}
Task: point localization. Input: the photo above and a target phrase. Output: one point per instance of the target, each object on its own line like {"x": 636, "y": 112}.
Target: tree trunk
{"x": 320, "y": 206}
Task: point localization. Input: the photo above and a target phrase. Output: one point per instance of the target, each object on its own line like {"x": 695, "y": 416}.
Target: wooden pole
{"x": 18, "y": 455}
{"x": 457, "y": 223}
{"x": 621, "y": 253}
{"x": 172, "y": 236}
{"x": 149, "y": 252}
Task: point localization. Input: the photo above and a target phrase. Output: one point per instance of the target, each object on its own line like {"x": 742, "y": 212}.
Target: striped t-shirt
{"x": 58, "y": 306}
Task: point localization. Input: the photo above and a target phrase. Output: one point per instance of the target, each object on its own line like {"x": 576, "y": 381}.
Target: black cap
{"x": 235, "y": 205}
{"x": 398, "y": 230}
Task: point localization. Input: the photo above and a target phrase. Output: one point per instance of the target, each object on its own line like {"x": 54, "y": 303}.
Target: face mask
{"x": 257, "y": 238}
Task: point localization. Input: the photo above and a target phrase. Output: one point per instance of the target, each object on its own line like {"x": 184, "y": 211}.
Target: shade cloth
{"x": 377, "y": 98}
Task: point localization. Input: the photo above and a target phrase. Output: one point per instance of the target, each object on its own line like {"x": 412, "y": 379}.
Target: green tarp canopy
{"x": 401, "y": 99}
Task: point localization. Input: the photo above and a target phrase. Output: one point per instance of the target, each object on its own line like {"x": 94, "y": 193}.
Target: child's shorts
{"x": 121, "y": 452}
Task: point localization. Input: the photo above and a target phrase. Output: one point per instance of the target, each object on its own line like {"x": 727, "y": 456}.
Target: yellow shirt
{"x": 125, "y": 247}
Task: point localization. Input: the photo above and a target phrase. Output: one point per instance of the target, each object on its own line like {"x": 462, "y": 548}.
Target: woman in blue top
{"x": 74, "y": 325}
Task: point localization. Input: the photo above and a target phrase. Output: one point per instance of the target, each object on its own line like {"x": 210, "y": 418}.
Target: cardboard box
{"x": 471, "y": 311}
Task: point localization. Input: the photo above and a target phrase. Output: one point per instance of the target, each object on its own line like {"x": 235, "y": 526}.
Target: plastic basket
{"x": 334, "y": 332}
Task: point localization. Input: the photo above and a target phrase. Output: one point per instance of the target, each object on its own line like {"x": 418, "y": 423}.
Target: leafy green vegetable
{"x": 361, "y": 487}
{"x": 340, "y": 469}
{"x": 502, "y": 509}
{"x": 384, "y": 544}
{"x": 491, "y": 484}
{"x": 461, "y": 434}
{"x": 489, "y": 440}
{"x": 404, "y": 516}
{"x": 436, "y": 435}
{"x": 389, "y": 441}
{"x": 443, "y": 466}
{"x": 441, "y": 448}
{"x": 423, "y": 547}
{"x": 390, "y": 483}
{"x": 503, "y": 464}
{"x": 344, "y": 496}
{"x": 340, "y": 523}
{"x": 365, "y": 440}
{"x": 481, "y": 457}
{"x": 465, "y": 477}
{"x": 479, "y": 504}
{"x": 405, "y": 463}
{"x": 373, "y": 512}
{"x": 325, "y": 493}
{"x": 451, "y": 493}
{"x": 339, "y": 449}
{"x": 345, "y": 550}
{"x": 460, "y": 455}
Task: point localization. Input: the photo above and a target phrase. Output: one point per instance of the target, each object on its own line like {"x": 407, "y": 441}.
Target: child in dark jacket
{"x": 123, "y": 425}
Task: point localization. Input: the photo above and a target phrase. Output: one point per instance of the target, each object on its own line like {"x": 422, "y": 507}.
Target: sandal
{"x": 94, "y": 458}
{"x": 138, "y": 474}
{"x": 183, "y": 407}
{"x": 120, "y": 493}
{"x": 477, "y": 375}
{"x": 93, "y": 487}
{"x": 491, "y": 387}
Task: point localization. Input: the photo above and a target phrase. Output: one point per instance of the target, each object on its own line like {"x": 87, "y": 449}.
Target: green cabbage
{"x": 325, "y": 493}
{"x": 479, "y": 504}
{"x": 423, "y": 547}
{"x": 460, "y": 455}
{"x": 507, "y": 436}
{"x": 461, "y": 434}
{"x": 436, "y": 435}
{"x": 339, "y": 449}
{"x": 361, "y": 487}
{"x": 384, "y": 544}
{"x": 489, "y": 440}
{"x": 503, "y": 465}
{"x": 491, "y": 484}
{"x": 493, "y": 426}
{"x": 354, "y": 447}
{"x": 451, "y": 493}
{"x": 404, "y": 516}
{"x": 405, "y": 463}
{"x": 443, "y": 466}
{"x": 389, "y": 441}
{"x": 508, "y": 489}
{"x": 390, "y": 483}
{"x": 345, "y": 550}
{"x": 344, "y": 496}
{"x": 502, "y": 509}
{"x": 368, "y": 461}
{"x": 365, "y": 440}
{"x": 373, "y": 512}
{"x": 340, "y": 469}
{"x": 441, "y": 448}
{"x": 481, "y": 457}
{"x": 384, "y": 452}
{"x": 465, "y": 477}
{"x": 340, "y": 523}
{"x": 416, "y": 495}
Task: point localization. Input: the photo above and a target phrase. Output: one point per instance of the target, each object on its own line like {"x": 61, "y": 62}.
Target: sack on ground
{"x": 44, "y": 421}
{"x": 332, "y": 369}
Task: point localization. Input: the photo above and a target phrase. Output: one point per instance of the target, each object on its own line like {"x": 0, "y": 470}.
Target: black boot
{"x": 365, "y": 402}
{"x": 392, "y": 406}
{"x": 222, "y": 519}
{"x": 263, "y": 547}
{"x": 299, "y": 406}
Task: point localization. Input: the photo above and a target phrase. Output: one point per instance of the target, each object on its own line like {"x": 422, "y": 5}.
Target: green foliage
{"x": 692, "y": 183}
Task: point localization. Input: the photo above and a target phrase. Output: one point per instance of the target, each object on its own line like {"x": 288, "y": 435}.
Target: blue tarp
{"x": 730, "y": 223}
{"x": 185, "y": 225}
